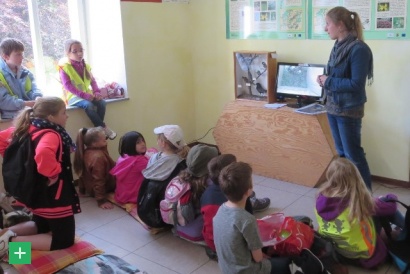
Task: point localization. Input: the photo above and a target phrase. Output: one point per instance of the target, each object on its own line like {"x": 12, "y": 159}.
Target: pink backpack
{"x": 177, "y": 208}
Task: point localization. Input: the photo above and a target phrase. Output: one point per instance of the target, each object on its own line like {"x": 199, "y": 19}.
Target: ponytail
{"x": 79, "y": 152}
{"x": 183, "y": 152}
{"x": 22, "y": 123}
{"x": 87, "y": 74}
{"x": 357, "y": 25}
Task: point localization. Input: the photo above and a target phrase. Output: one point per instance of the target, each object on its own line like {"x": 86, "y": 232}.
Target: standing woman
{"x": 350, "y": 66}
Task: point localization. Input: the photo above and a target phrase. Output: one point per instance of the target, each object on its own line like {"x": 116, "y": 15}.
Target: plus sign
{"x": 20, "y": 253}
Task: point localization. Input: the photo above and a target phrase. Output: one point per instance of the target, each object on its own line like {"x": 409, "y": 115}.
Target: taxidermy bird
{"x": 260, "y": 89}
{"x": 245, "y": 79}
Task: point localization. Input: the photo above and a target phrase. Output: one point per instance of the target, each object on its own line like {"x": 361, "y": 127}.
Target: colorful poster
{"x": 151, "y": 1}
{"x": 381, "y": 19}
{"x": 300, "y": 19}
{"x": 159, "y": 1}
{"x": 274, "y": 19}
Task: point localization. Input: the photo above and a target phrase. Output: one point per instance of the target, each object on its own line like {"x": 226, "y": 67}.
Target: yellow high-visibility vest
{"x": 81, "y": 83}
{"x": 27, "y": 86}
{"x": 353, "y": 240}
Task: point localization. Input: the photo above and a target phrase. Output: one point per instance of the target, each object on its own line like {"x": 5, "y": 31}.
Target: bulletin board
{"x": 300, "y": 19}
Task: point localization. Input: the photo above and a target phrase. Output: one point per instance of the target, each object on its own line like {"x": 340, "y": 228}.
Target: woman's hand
{"x": 321, "y": 79}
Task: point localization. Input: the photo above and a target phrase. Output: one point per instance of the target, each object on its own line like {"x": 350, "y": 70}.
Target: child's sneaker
{"x": 109, "y": 133}
{"x": 5, "y": 236}
{"x": 260, "y": 204}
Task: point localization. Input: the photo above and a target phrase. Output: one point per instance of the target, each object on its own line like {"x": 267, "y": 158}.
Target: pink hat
{"x": 173, "y": 133}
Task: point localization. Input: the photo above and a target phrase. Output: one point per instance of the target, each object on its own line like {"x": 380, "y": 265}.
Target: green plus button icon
{"x": 20, "y": 253}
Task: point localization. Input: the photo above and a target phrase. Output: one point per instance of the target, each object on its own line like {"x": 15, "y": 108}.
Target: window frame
{"x": 76, "y": 11}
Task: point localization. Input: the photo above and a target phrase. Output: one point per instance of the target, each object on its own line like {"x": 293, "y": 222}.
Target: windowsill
{"x": 109, "y": 101}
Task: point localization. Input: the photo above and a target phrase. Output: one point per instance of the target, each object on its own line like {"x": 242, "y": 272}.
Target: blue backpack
{"x": 399, "y": 249}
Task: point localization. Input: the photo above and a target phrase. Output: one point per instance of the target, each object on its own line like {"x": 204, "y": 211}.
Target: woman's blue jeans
{"x": 95, "y": 111}
{"x": 346, "y": 133}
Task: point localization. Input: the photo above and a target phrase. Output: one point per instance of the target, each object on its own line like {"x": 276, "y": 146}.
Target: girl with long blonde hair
{"x": 348, "y": 214}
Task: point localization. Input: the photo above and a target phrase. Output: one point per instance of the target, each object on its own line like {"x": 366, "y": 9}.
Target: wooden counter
{"x": 278, "y": 143}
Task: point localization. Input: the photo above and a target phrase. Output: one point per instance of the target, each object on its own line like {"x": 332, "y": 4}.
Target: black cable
{"x": 196, "y": 140}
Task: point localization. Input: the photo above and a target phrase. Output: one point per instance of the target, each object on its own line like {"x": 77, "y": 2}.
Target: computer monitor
{"x": 295, "y": 80}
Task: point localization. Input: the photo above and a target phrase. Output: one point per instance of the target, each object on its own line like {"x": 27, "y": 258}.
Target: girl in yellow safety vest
{"x": 80, "y": 86}
{"x": 348, "y": 214}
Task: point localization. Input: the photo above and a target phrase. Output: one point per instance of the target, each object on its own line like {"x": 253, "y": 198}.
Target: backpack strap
{"x": 175, "y": 215}
{"x": 386, "y": 224}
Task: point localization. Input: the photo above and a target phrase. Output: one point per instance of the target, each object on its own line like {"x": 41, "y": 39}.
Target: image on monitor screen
{"x": 296, "y": 80}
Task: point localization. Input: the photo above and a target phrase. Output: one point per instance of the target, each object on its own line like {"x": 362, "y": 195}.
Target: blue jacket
{"x": 11, "y": 105}
{"x": 346, "y": 81}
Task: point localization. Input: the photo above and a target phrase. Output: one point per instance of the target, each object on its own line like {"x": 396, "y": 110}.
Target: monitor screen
{"x": 299, "y": 80}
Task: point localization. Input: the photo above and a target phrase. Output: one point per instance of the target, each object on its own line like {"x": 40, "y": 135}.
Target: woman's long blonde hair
{"x": 344, "y": 181}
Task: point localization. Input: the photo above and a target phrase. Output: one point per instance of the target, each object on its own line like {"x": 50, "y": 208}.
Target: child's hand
{"x": 29, "y": 103}
{"x": 107, "y": 205}
{"x": 150, "y": 152}
{"x": 91, "y": 98}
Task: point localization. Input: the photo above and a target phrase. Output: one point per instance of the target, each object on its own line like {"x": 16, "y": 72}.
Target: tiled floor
{"x": 119, "y": 234}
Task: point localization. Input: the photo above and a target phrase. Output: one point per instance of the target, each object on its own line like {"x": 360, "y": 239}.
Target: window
{"x": 43, "y": 26}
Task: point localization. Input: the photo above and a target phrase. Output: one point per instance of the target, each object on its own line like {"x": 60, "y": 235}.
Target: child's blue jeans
{"x": 95, "y": 111}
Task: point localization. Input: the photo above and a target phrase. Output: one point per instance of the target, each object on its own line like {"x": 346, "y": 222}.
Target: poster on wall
{"x": 300, "y": 19}
{"x": 273, "y": 19}
{"x": 151, "y": 1}
{"x": 176, "y": 1}
{"x": 381, "y": 19}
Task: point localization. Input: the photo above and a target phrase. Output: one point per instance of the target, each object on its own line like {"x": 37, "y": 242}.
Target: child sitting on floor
{"x": 92, "y": 164}
{"x": 213, "y": 198}
{"x": 236, "y": 233}
{"x": 196, "y": 175}
{"x": 348, "y": 214}
{"x": 128, "y": 169}
{"x": 161, "y": 168}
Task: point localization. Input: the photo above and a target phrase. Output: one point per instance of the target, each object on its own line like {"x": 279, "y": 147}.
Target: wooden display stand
{"x": 278, "y": 143}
